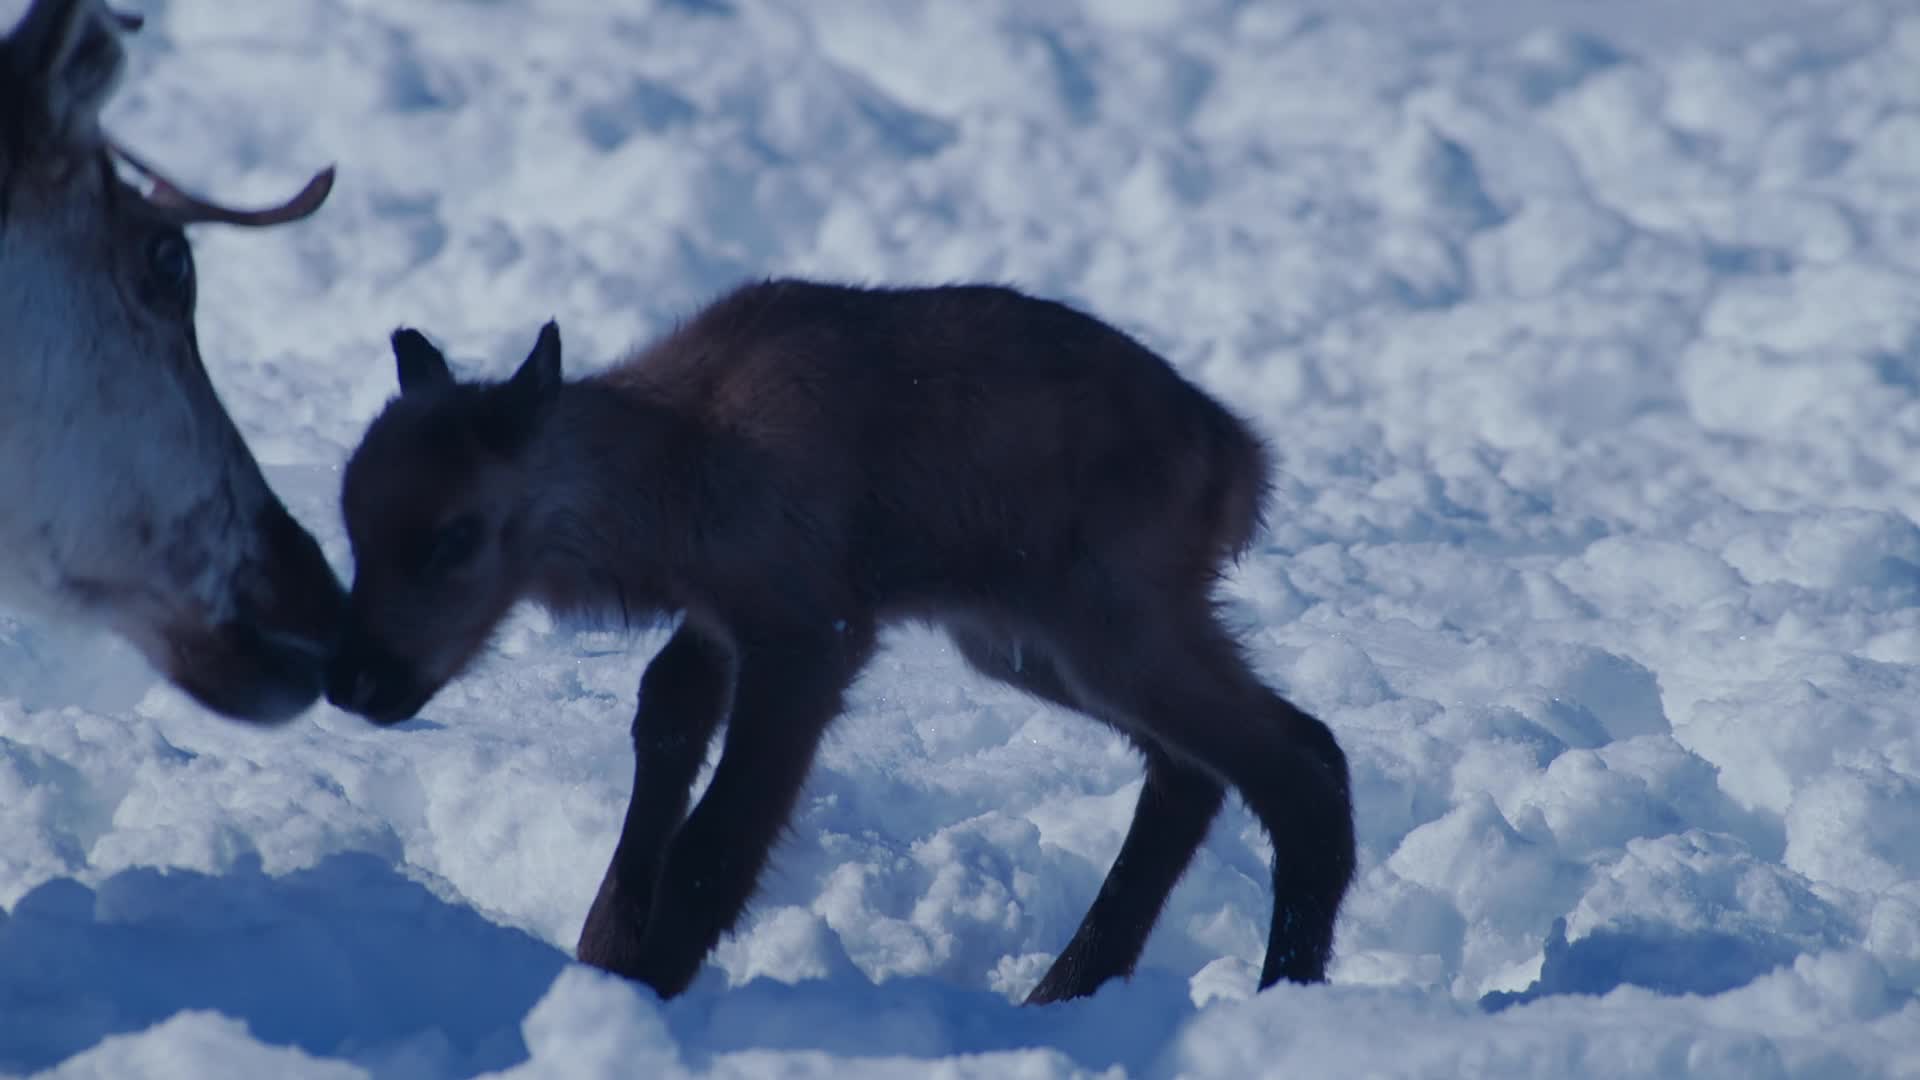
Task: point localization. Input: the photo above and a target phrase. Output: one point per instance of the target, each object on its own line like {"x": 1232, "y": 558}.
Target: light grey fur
{"x": 128, "y": 498}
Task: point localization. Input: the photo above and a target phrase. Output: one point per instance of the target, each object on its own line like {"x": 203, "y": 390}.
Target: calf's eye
{"x": 453, "y": 545}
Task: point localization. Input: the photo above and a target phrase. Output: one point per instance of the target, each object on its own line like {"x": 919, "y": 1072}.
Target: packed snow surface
{"x": 1589, "y": 336}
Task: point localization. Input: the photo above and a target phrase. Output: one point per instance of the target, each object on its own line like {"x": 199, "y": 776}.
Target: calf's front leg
{"x": 683, "y": 696}
{"x": 787, "y": 692}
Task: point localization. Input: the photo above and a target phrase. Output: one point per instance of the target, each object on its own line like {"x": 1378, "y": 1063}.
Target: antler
{"x": 183, "y": 208}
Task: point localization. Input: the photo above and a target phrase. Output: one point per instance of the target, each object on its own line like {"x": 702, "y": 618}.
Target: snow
{"x": 1590, "y": 338}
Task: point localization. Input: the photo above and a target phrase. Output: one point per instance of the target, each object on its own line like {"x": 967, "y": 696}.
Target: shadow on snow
{"x": 346, "y": 958}
{"x": 1662, "y": 959}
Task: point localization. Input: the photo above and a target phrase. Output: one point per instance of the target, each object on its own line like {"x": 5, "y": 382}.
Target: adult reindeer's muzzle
{"x": 268, "y": 662}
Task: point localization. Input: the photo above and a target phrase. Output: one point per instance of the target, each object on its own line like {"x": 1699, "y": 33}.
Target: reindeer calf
{"x": 794, "y": 467}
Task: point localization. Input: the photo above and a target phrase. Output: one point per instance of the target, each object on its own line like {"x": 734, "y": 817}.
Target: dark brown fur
{"x": 792, "y": 469}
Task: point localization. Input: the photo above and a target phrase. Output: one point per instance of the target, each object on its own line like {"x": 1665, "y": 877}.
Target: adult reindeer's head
{"x": 126, "y": 492}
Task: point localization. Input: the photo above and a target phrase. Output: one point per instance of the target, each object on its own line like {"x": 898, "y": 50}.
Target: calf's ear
{"x": 522, "y": 400}
{"x": 420, "y": 365}
{"x": 539, "y": 375}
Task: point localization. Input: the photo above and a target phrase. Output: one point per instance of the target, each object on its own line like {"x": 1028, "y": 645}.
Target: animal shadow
{"x": 347, "y": 958}
{"x": 1662, "y": 959}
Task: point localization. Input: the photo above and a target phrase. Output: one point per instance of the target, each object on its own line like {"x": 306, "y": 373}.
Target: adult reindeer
{"x": 127, "y": 496}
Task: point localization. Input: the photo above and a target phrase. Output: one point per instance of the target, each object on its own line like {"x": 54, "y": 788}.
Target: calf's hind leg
{"x": 1183, "y": 684}
{"x": 683, "y": 696}
{"x": 1177, "y": 804}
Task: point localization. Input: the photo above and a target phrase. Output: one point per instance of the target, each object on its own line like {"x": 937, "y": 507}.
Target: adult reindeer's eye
{"x": 453, "y": 545}
{"x": 170, "y": 263}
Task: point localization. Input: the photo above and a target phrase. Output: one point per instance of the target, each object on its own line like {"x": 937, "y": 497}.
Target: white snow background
{"x": 1590, "y": 338}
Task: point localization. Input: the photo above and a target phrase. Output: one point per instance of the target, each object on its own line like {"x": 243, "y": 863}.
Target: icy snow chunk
{"x": 954, "y": 904}
{"x": 1158, "y": 190}
{"x": 1797, "y": 149}
{"x": 199, "y": 1045}
{"x": 287, "y": 818}
{"x": 973, "y": 866}
{"x": 790, "y": 944}
{"x": 1711, "y": 887}
{"x": 1771, "y": 739}
{"x": 945, "y": 60}
{"x": 1841, "y": 548}
{"x": 1226, "y": 979}
{"x": 1591, "y": 802}
{"x": 1856, "y": 828}
{"x": 592, "y": 1024}
{"x": 1891, "y": 151}
{"x": 1265, "y": 594}
{"x": 1749, "y": 389}
{"x": 1846, "y": 308}
{"x": 1154, "y": 16}
{"x": 1400, "y": 923}
{"x": 1548, "y": 62}
{"x": 1633, "y": 574}
{"x": 1623, "y": 695}
{"x": 643, "y": 106}
{"x": 1590, "y": 807}
{"x": 50, "y": 814}
{"x": 1615, "y": 123}
{"x": 1553, "y": 697}
{"x": 1430, "y": 271}
{"x": 1495, "y": 876}
{"x": 1757, "y": 232}
{"x": 1715, "y": 96}
{"x": 1893, "y": 933}
{"x": 1498, "y": 769}
{"x": 1338, "y": 672}
{"x": 1656, "y": 957}
{"x": 48, "y": 665}
{"x": 1821, "y": 990}
{"x": 1568, "y": 723}
{"x": 1425, "y": 174}
{"x": 1546, "y": 245}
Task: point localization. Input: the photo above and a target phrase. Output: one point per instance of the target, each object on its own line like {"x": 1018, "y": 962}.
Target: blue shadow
{"x": 1662, "y": 959}
{"x": 346, "y": 958}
